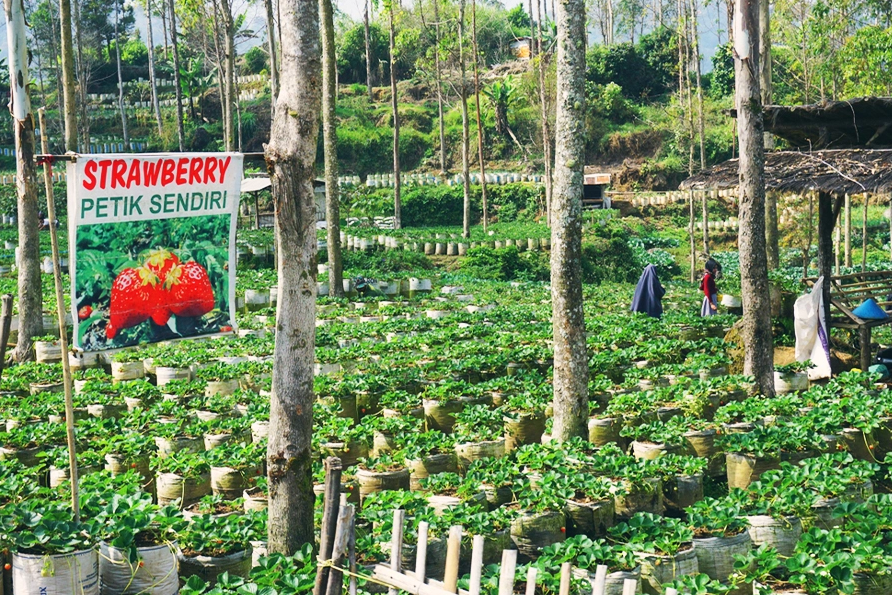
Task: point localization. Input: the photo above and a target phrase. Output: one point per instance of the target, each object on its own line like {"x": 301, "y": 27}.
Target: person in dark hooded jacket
{"x": 648, "y": 298}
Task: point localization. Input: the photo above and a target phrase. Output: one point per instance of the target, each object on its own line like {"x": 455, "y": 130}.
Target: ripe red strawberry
{"x": 134, "y": 298}
{"x": 191, "y": 293}
{"x": 84, "y": 313}
{"x": 161, "y": 261}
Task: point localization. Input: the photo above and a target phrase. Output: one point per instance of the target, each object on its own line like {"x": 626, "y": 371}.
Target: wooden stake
{"x": 60, "y": 313}
{"x": 565, "y": 579}
{"x": 476, "y": 564}
{"x": 5, "y": 323}
{"x": 330, "y": 517}
{"x": 848, "y": 230}
{"x": 864, "y": 233}
{"x": 339, "y": 550}
{"x": 506, "y": 575}
{"x": 532, "y": 573}
{"x": 351, "y": 557}
{"x": 600, "y": 580}
{"x": 630, "y": 586}
{"x": 453, "y": 546}
{"x": 396, "y": 543}
{"x": 421, "y": 552}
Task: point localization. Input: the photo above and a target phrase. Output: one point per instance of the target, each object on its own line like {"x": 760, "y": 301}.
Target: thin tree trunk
{"x": 479, "y": 121}
{"x": 756, "y": 324}
{"x": 806, "y": 257}
{"x": 864, "y": 233}
{"x": 181, "y": 133}
{"x": 465, "y": 127}
{"x": 229, "y": 72}
{"x": 533, "y": 38}
{"x": 394, "y": 106}
{"x": 441, "y": 124}
{"x": 29, "y": 290}
{"x": 705, "y": 213}
{"x": 330, "y": 144}
{"x": 82, "y": 79}
{"x": 121, "y": 107}
{"x": 568, "y": 320}
{"x": 692, "y": 238}
{"x": 772, "y": 234}
{"x": 273, "y": 57}
{"x": 153, "y": 80}
{"x": 291, "y": 156}
{"x": 701, "y": 120}
{"x": 164, "y": 30}
{"x": 369, "y": 79}
{"x": 848, "y": 230}
{"x": 546, "y": 131}
{"x": 68, "y": 83}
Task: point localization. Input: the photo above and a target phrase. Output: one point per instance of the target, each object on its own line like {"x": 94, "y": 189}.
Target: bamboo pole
{"x": 600, "y": 580}
{"x": 564, "y": 588}
{"x": 421, "y": 552}
{"x": 60, "y": 313}
{"x": 476, "y": 564}
{"x": 396, "y": 544}
{"x": 506, "y": 575}
{"x": 532, "y": 573}
{"x": 453, "y": 545}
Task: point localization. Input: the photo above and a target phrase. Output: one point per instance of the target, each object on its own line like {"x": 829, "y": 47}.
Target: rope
{"x": 356, "y": 575}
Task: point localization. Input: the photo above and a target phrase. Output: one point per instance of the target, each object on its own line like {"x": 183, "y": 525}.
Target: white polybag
{"x": 812, "y": 336}
{"x": 156, "y": 576}
{"x": 76, "y": 573}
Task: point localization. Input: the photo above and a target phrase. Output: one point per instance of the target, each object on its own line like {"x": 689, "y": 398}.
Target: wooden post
{"x": 864, "y": 339}
{"x": 476, "y": 564}
{"x": 836, "y": 246}
{"x": 5, "y": 323}
{"x": 396, "y": 544}
{"x": 421, "y": 553}
{"x": 848, "y": 230}
{"x": 506, "y": 574}
{"x": 330, "y": 517}
{"x": 864, "y": 232}
{"x": 532, "y": 573}
{"x": 453, "y": 546}
{"x": 630, "y": 586}
{"x": 827, "y": 216}
{"x": 60, "y": 314}
{"x": 693, "y": 242}
{"x": 342, "y": 538}
{"x": 600, "y": 580}
{"x": 564, "y": 588}
{"x": 351, "y": 556}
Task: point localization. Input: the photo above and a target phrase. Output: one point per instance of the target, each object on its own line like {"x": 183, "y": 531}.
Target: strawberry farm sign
{"x": 152, "y": 246}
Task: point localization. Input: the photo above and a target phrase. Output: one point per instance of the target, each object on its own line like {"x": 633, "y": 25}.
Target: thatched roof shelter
{"x": 864, "y": 122}
{"x": 837, "y": 172}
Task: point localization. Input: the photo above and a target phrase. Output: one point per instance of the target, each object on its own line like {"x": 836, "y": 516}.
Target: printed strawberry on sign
{"x": 152, "y": 249}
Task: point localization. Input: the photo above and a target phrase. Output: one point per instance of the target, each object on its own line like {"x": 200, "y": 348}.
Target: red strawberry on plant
{"x": 191, "y": 293}
{"x": 84, "y": 313}
{"x": 134, "y": 296}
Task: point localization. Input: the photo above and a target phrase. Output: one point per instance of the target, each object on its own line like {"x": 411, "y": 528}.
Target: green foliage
{"x": 506, "y": 264}
{"x": 255, "y": 61}
{"x": 351, "y": 54}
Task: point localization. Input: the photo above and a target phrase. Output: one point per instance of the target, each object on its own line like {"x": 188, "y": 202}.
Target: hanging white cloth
{"x": 812, "y": 331}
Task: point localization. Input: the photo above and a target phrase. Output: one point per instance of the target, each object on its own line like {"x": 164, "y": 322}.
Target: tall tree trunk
{"x": 330, "y": 144}
{"x": 479, "y": 121}
{"x": 756, "y": 324}
{"x": 83, "y": 122}
{"x": 164, "y": 34}
{"x": 848, "y": 230}
{"x": 546, "y": 131}
{"x": 30, "y": 297}
{"x": 291, "y": 157}
{"x": 273, "y": 57}
{"x": 701, "y": 119}
{"x": 568, "y": 320}
{"x": 394, "y": 106}
{"x": 153, "y": 79}
{"x": 369, "y": 79}
{"x": 229, "y": 72}
{"x": 181, "y": 133}
{"x": 773, "y": 235}
{"x": 465, "y": 127}
{"x": 68, "y": 84}
{"x": 441, "y": 124}
{"x": 121, "y": 107}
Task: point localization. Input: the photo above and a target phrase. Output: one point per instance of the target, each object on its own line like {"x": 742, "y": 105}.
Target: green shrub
{"x": 506, "y": 264}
